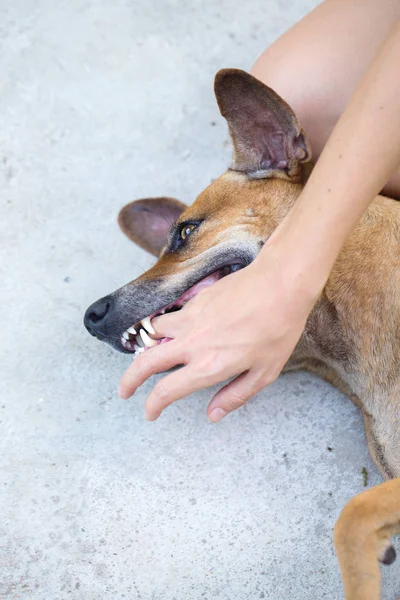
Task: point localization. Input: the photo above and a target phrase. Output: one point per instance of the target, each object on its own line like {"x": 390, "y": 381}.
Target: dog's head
{"x": 227, "y": 225}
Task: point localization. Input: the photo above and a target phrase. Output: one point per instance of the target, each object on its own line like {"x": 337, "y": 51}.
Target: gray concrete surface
{"x": 100, "y": 103}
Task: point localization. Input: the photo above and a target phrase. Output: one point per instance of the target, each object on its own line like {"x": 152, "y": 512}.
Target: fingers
{"x": 174, "y": 387}
{"x": 185, "y": 381}
{"x": 233, "y": 395}
{"x": 156, "y": 360}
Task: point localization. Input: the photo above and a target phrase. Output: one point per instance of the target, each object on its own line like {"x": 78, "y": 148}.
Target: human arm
{"x": 271, "y": 299}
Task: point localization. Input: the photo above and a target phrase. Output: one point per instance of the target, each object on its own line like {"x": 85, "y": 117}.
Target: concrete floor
{"x": 96, "y": 97}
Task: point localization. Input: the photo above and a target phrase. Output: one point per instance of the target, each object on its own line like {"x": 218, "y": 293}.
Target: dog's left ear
{"x": 267, "y": 139}
{"x": 147, "y": 222}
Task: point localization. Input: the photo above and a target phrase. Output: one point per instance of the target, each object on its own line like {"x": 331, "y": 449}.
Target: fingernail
{"x": 149, "y": 417}
{"x": 217, "y": 414}
{"x": 121, "y": 393}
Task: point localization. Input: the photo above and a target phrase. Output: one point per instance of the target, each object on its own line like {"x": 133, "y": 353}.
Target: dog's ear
{"x": 267, "y": 139}
{"x": 147, "y": 222}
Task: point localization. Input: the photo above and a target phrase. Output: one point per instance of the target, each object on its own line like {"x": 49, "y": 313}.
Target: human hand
{"x": 244, "y": 326}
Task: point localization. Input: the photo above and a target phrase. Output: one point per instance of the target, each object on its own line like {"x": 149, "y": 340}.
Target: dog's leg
{"x": 383, "y": 437}
{"x": 362, "y": 539}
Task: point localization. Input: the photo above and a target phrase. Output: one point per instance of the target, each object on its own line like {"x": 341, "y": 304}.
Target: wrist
{"x": 297, "y": 268}
{"x": 306, "y": 244}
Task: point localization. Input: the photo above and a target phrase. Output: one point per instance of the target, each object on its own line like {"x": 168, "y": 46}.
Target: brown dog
{"x": 352, "y": 337}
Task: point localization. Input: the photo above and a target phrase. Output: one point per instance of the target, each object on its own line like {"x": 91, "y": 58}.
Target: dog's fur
{"x": 352, "y": 337}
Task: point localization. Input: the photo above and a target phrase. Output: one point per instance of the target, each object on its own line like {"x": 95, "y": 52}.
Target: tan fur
{"x": 352, "y": 339}
{"x": 362, "y": 534}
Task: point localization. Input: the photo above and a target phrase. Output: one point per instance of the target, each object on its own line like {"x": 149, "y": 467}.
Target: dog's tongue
{"x": 204, "y": 283}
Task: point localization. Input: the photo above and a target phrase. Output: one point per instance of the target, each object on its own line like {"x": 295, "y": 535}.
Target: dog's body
{"x": 352, "y": 337}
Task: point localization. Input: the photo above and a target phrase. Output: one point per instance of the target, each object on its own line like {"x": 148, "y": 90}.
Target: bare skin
{"x": 317, "y": 64}
{"x": 362, "y": 154}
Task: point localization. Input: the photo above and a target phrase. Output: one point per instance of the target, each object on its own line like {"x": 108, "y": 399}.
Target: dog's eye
{"x": 178, "y": 234}
{"x": 186, "y": 230}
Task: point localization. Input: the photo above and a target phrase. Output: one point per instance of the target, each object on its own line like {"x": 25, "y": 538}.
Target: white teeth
{"x": 147, "y": 325}
{"x": 162, "y": 312}
{"x": 143, "y": 339}
{"x": 146, "y": 339}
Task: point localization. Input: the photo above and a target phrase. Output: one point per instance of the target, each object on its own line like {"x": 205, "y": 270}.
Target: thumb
{"x": 233, "y": 395}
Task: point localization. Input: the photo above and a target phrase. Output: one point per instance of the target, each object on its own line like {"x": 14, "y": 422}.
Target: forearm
{"x": 358, "y": 159}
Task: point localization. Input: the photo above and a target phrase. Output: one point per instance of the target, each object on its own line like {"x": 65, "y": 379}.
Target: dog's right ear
{"x": 267, "y": 139}
{"x": 147, "y": 222}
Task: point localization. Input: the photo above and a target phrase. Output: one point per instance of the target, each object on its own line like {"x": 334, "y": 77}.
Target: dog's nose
{"x": 95, "y": 318}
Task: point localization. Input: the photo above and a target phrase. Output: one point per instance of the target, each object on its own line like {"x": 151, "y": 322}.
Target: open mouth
{"x": 138, "y": 337}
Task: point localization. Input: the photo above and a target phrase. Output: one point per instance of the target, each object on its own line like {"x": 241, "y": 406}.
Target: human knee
{"x": 296, "y": 75}
{"x": 285, "y": 74}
